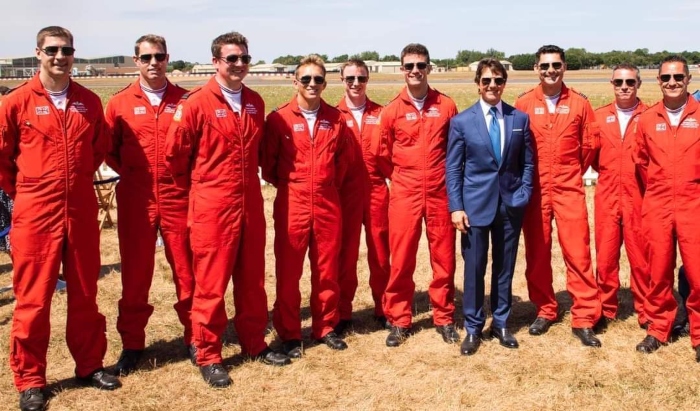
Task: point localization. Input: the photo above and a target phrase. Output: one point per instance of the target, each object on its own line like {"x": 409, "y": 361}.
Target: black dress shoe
{"x": 269, "y": 357}
{"x": 101, "y": 379}
{"x": 587, "y": 337}
{"x": 540, "y": 326}
{"x": 648, "y": 345}
{"x": 192, "y": 353}
{"x": 383, "y": 322}
{"x": 448, "y": 332}
{"x": 293, "y": 348}
{"x": 128, "y": 360}
{"x": 471, "y": 344}
{"x": 342, "y": 327}
{"x": 505, "y": 338}
{"x": 333, "y": 341}
{"x": 397, "y": 335}
{"x": 32, "y": 399}
{"x": 680, "y": 330}
{"x": 215, "y": 375}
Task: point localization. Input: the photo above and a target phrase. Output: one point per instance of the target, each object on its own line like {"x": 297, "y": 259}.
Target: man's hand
{"x": 460, "y": 221}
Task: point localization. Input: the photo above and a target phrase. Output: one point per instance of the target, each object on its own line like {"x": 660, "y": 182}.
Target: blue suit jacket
{"x": 475, "y": 181}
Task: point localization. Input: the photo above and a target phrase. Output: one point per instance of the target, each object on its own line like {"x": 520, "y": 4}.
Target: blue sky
{"x": 280, "y": 27}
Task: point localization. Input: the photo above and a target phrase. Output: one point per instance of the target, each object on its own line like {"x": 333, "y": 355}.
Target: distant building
{"x": 268, "y": 68}
{"x": 472, "y": 66}
{"x": 28, "y": 66}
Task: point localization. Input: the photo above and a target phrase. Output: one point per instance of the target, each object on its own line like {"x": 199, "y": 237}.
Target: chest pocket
{"x": 37, "y": 150}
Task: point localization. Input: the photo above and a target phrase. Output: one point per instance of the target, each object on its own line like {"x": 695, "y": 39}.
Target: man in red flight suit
{"x": 212, "y": 147}
{"x": 148, "y": 198}
{"x": 52, "y": 139}
{"x": 566, "y": 137}
{"x": 668, "y": 139}
{"x": 412, "y": 150}
{"x": 364, "y": 198}
{"x": 305, "y": 154}
{"x": 618, "y": 197}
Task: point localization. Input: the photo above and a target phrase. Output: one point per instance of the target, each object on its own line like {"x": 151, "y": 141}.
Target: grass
{"x": 551, "y": 372}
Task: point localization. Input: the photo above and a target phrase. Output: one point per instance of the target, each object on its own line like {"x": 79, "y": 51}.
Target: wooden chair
{"x": 105, "y": 182}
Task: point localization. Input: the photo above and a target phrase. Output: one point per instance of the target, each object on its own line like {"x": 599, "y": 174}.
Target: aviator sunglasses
{"x": 630, "y": 82}
{"x": 146, "y": 58}
{"x": 421, "y": 66}
{"x": 485, "y": 81}
{"x": 53, "y": 50}
{"x": 306, "y": 80}
{"x": 667, "y": 77}
{"x": 351, "y": 79}
{"x": 233, "y": 58}
{"x": 557, "y": 65}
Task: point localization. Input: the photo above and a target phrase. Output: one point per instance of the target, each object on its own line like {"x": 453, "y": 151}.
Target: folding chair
{"x": 105, "y": 182}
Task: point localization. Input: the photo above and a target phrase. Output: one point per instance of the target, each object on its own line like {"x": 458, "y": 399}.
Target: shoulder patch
{"x": 128, "y": 86}
{"x": 579, "y": 93}
{"x": 526, "y": 92}
{"x": 279, "y": 107}
{"x": 190, "y": 93}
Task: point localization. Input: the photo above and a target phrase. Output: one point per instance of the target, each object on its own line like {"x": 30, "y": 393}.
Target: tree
{"x": 288, "y": 60}
{"x": 178, "y": 64}
{"x": 390, "y": 57}
{"x": 340, "y": 59}
{"x": 495, "y": 54}
{"x": 260, "y": 62}
{"x": 522, "y": 61}
{"x": 367, "y": 55}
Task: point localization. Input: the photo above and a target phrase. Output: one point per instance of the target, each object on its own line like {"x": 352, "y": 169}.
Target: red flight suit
{"x": 149, "y": 200}
{"x": 364, "y": 199}
{"x": 307, "y": 212}
{"x": 565, "y": 143}
{"x": 47, "y": 160}
{"x": 668, "y": 158}
{"x": 618, "y": 206}
{"x": 215, "y": 151}
{"x": 412, "y": 151}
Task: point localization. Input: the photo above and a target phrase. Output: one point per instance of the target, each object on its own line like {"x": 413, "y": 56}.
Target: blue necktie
{"x": 495, "y": 134}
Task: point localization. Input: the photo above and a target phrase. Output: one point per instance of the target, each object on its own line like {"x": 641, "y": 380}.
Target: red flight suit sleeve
{"x": 113, "y": 159}
{"x": 179, "y": 144}
{"x": 590, "y": 137}
{"x": 102, "y": 139}
{"x": 385, "y": 141}
{"x": 8, "y": 146}
{"x": 344, "y": 156}
{"x": 641, "y": 156}
{"x": 270, "y": 148}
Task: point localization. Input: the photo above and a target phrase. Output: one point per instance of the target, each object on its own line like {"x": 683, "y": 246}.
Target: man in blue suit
{"x": 490, "y": 167}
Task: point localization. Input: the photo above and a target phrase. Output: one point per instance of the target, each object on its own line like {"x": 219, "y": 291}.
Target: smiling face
{"x": 673, "y": 81}
{"x": 491, "y": 92}
{"x": 58, "y": 66}
{"x": 311, "y": 92}
{"x": 548, "y": 72}
{"x": 153, "y": 70}
{"x": 231, "y": 74}
{"x": 415, "y": 77}
{"x": 356, "y": 88}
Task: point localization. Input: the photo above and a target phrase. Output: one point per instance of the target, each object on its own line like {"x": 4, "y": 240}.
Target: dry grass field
{"x": 550, "y": 372}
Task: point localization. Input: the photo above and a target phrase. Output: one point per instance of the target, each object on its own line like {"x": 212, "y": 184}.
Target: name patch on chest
{"x": 324, "y": 125}
{"x": 349, "y": 123}
{"x": 170, "y": 108}
{"x": 610, "y": 119}
{"x": 411, "y": 116}
{"x": 371, "y": 120}
{"x": 139, "y": 110}
{"x": 432, "y": 112}
{"x": 539, "y": 110}
{"x": 689, "y": 123}
{"x": 77, "y": 107}
{"x": 220, "y": 112}
{"x": 563, "y": 110}
{"x": 298, "y": 127}
{"x": 661, "y": 127}
{"x": 251, "y": 109}
{"x": 42, "y": 111}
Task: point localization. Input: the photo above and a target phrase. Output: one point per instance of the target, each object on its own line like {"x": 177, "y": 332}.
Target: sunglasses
{"x": 630, "y": 82}
{"x": 146, "y": 58}
{"x": 233, "y": 58}
{"x": 557, "y": 65}
{"x": 667, "y": 77}
{"x": 421, "y": 66}
{"x": 53, "y": 50}
{"x": 486, "y": 81}
{"x": 306, "y": 80}
{"x": 351, "y": 79}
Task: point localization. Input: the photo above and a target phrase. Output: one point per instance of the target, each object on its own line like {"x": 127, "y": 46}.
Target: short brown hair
{"x": 493, "y": 64}
{"x": 627, "y": 66}
{"x": 150, "y": 38}
{"x": 415, "y": 48}
{"x": 354, "y": 62}
{"x": 53, "y": 31}
{"x": 232, "y": 37}
{"x": 311, "y": 59}
{"x": 675, "y": 59}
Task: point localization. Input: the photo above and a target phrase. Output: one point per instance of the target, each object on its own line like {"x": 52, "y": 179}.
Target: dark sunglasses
{"x": 667, "y": 77}
{"x": 53, "y": 50}
{"x": 306, "y": 80}
{"x": 557, "y": 65}
{"x": 351, "y": 79}
{"x": 486, "y": 81}
{"x": 630, "y": 82}
{"x": 146, "y": 58}
{"x": 421, "y": 66}
{"x": 233, "y": 58}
